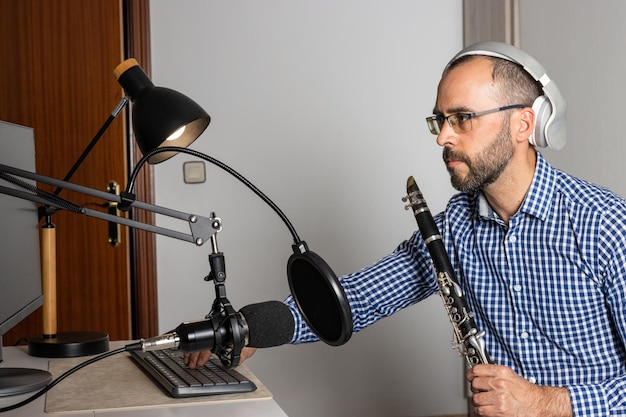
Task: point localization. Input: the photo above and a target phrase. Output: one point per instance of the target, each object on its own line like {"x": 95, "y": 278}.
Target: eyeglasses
{"x": 462, "y": 122}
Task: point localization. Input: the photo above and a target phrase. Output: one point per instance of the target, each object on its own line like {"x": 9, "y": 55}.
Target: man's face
{"x": 477, "y": 157}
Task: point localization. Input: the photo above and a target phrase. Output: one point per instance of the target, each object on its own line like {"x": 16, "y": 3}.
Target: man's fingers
{"x": 246, "y": 353}
{"x": 197, "y": 359}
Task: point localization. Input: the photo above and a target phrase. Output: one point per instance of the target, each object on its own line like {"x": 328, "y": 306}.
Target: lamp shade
{"x": 160, "y": 116}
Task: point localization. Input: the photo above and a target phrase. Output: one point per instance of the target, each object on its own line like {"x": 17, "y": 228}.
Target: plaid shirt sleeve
{"x": 381, "y": 289}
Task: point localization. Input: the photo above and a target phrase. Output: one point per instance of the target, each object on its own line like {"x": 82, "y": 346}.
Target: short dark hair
{"x": 515, "y": 84}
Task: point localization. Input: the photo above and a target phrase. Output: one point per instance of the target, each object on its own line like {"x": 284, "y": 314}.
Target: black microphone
{"x": 259, "y": 325}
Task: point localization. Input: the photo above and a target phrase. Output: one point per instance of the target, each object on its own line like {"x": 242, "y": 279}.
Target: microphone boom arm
{"x": 201, "y": 228}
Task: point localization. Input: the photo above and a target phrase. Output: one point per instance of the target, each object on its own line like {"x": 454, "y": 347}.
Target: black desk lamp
{"x": 159, "y": 116}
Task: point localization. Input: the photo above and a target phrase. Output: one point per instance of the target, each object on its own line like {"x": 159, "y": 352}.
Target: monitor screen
{"x": 20, "y": 270}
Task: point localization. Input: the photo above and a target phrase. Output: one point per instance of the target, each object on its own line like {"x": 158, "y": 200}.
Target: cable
{"x": 61, "y": 202}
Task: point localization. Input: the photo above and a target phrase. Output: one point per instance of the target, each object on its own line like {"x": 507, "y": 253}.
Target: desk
{"x": 17, "y": 357}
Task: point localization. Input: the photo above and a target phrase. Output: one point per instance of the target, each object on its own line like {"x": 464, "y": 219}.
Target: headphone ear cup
{"x": 543, "y": 111}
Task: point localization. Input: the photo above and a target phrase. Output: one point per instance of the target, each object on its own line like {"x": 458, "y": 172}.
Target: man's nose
{"x": 446, "y": 134}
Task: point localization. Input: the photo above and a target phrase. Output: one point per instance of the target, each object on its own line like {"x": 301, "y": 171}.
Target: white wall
{"x": 321, "y": 104}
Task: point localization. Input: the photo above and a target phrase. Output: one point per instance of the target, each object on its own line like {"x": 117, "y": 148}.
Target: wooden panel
{"x": 57, "y": 61}
{"x": 144, "y": 273}
{"x": 491, "y": 20}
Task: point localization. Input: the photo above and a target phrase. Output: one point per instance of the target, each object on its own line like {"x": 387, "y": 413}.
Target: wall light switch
{"x": 194, "y": 172}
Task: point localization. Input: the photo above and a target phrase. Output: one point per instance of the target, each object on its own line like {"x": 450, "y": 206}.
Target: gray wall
{"x": 582, "y": 49}
{"x": 321, "y": 104}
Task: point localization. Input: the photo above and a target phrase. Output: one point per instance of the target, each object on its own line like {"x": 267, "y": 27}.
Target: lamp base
{"x": 69, "y": 344}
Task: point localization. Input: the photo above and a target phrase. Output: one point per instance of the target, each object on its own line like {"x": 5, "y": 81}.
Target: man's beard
{"x": 486, "y": 167}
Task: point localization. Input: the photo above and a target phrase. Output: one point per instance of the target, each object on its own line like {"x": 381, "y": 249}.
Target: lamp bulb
{"x": 176, "y": 134}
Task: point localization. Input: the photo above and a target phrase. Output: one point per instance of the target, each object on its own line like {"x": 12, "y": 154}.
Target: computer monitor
{"x": 21, "y": 290}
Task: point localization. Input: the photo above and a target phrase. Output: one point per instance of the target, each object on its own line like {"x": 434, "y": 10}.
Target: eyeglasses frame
{"x": 435, "y": 127}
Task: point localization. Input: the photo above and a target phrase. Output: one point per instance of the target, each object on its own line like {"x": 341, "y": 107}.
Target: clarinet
{"x": 468, "y": 340}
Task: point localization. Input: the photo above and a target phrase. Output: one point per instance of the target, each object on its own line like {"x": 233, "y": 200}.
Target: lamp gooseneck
{"x": 128, "y": 195}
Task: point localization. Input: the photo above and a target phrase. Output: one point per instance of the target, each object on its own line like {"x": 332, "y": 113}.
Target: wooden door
{"x": 57, "y": 61}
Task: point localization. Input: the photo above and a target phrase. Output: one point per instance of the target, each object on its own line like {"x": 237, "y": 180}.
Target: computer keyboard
{"x": 166, "y": 367}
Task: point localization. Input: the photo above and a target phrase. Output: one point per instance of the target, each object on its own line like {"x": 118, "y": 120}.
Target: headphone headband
{"x": 550, "y": 109}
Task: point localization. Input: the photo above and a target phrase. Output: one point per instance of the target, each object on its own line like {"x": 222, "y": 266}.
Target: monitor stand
{"x": 14, "y": 381}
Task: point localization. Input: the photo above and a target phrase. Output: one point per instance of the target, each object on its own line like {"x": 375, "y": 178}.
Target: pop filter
{"x": 319, "y": 296}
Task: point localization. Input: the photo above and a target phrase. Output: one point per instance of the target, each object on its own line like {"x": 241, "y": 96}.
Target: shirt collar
{"x": 538, "y": 199}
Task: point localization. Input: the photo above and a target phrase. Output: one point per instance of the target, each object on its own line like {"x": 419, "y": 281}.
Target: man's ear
{"x": 525, "y": 124}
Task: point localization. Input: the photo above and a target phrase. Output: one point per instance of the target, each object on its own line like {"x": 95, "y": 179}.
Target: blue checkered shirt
{"x": 549, "y": 288}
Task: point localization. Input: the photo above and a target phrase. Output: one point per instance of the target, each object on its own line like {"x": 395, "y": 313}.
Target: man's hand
{"x": 198, "y": 359}
{"x": 500, "y": 392}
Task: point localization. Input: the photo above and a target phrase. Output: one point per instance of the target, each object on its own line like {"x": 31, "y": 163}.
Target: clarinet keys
{"x": 468, "y": 340}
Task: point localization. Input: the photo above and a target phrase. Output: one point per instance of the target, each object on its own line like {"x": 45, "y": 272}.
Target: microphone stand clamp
{"x": 222, "y": 311}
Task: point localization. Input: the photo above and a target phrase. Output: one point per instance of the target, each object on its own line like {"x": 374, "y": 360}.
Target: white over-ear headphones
{"x": 550, "y": 108}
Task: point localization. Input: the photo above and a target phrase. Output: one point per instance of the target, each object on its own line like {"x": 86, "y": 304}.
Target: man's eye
{"x": 463, "y": 117}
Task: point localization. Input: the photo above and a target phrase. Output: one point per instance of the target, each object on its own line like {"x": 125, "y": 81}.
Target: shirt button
{"x": 512, "y": 239}
{"x": 532, "y": 380}
{"x": 525, "y": 335}
{"x": 517, "y": 287}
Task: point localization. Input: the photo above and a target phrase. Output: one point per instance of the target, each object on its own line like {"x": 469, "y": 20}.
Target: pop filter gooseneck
{"x": 314, "y": 286}
{"x": 319, "y": 296}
